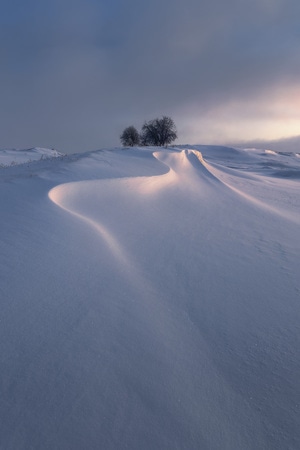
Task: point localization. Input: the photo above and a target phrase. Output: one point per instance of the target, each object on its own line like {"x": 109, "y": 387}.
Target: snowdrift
{"x": 150, "y": 299}
{"x": 13, "y": 157}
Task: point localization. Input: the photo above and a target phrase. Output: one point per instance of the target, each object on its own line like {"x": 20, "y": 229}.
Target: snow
{"x": 150, "y": 300}
{"x": 13, "y": 157}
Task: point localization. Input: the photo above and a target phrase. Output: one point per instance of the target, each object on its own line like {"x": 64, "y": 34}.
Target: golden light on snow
{"x": 60, "y": 196}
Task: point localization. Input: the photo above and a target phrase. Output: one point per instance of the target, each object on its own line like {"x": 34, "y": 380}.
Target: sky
{"x": 75, "y": 73}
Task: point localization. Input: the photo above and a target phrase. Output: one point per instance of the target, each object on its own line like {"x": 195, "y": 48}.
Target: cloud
{"x": 75, "y": 73}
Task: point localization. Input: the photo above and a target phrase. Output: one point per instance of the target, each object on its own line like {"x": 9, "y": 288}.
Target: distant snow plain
{"x": 150, "y": 299}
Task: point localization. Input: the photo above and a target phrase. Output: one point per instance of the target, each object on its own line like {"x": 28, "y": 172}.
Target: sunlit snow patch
{"x": 270, "y": 152}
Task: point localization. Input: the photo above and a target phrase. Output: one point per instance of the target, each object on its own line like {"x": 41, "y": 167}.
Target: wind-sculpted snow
{"x": 13, "y": 157}
{"x": 151, "y": 301}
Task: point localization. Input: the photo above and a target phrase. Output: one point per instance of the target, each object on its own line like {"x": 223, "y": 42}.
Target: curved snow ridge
{"x": 195, "y": 159}
{"x": 85, "y": 201}
{"x": 263, "y": 206}
{"x": 60, "y": 195}
{"x": 188, "y": 165}
{"x": 93, "y": 200}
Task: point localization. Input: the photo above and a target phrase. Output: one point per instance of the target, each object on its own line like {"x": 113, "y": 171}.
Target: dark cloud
{"x": 74, "y": 73}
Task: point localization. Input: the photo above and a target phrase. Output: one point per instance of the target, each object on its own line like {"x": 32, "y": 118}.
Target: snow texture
{"x": 150, "y": 300}
{"x": 13, "y": 157}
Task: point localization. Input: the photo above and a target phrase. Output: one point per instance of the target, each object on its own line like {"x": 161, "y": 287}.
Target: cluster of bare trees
{"x": 157, "y": 132}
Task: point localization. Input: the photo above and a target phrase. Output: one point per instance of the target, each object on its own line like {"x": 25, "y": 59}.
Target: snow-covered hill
{"x": 13, "y": 157}
{"x": 150, "y": 300}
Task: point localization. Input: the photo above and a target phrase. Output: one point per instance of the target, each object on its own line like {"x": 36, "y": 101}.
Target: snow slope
{"x": 150, "y": 300}
{"x": 13, "y": 157}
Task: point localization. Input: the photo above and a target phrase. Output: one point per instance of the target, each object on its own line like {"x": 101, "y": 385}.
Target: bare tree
{"x": 130, "y": 137}
{"x": 159, "y": 132}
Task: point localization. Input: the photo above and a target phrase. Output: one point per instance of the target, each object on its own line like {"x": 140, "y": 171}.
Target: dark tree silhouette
{"x": 159, "y": 132}
{"x": 130, "y": 137}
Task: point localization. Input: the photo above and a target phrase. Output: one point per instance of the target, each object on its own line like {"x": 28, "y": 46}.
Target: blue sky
{"x": 75, "y": 73}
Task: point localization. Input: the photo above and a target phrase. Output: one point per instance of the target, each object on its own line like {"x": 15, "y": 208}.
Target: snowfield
{"x": 150, "y": 299}
{"x": 13, "y": 157}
